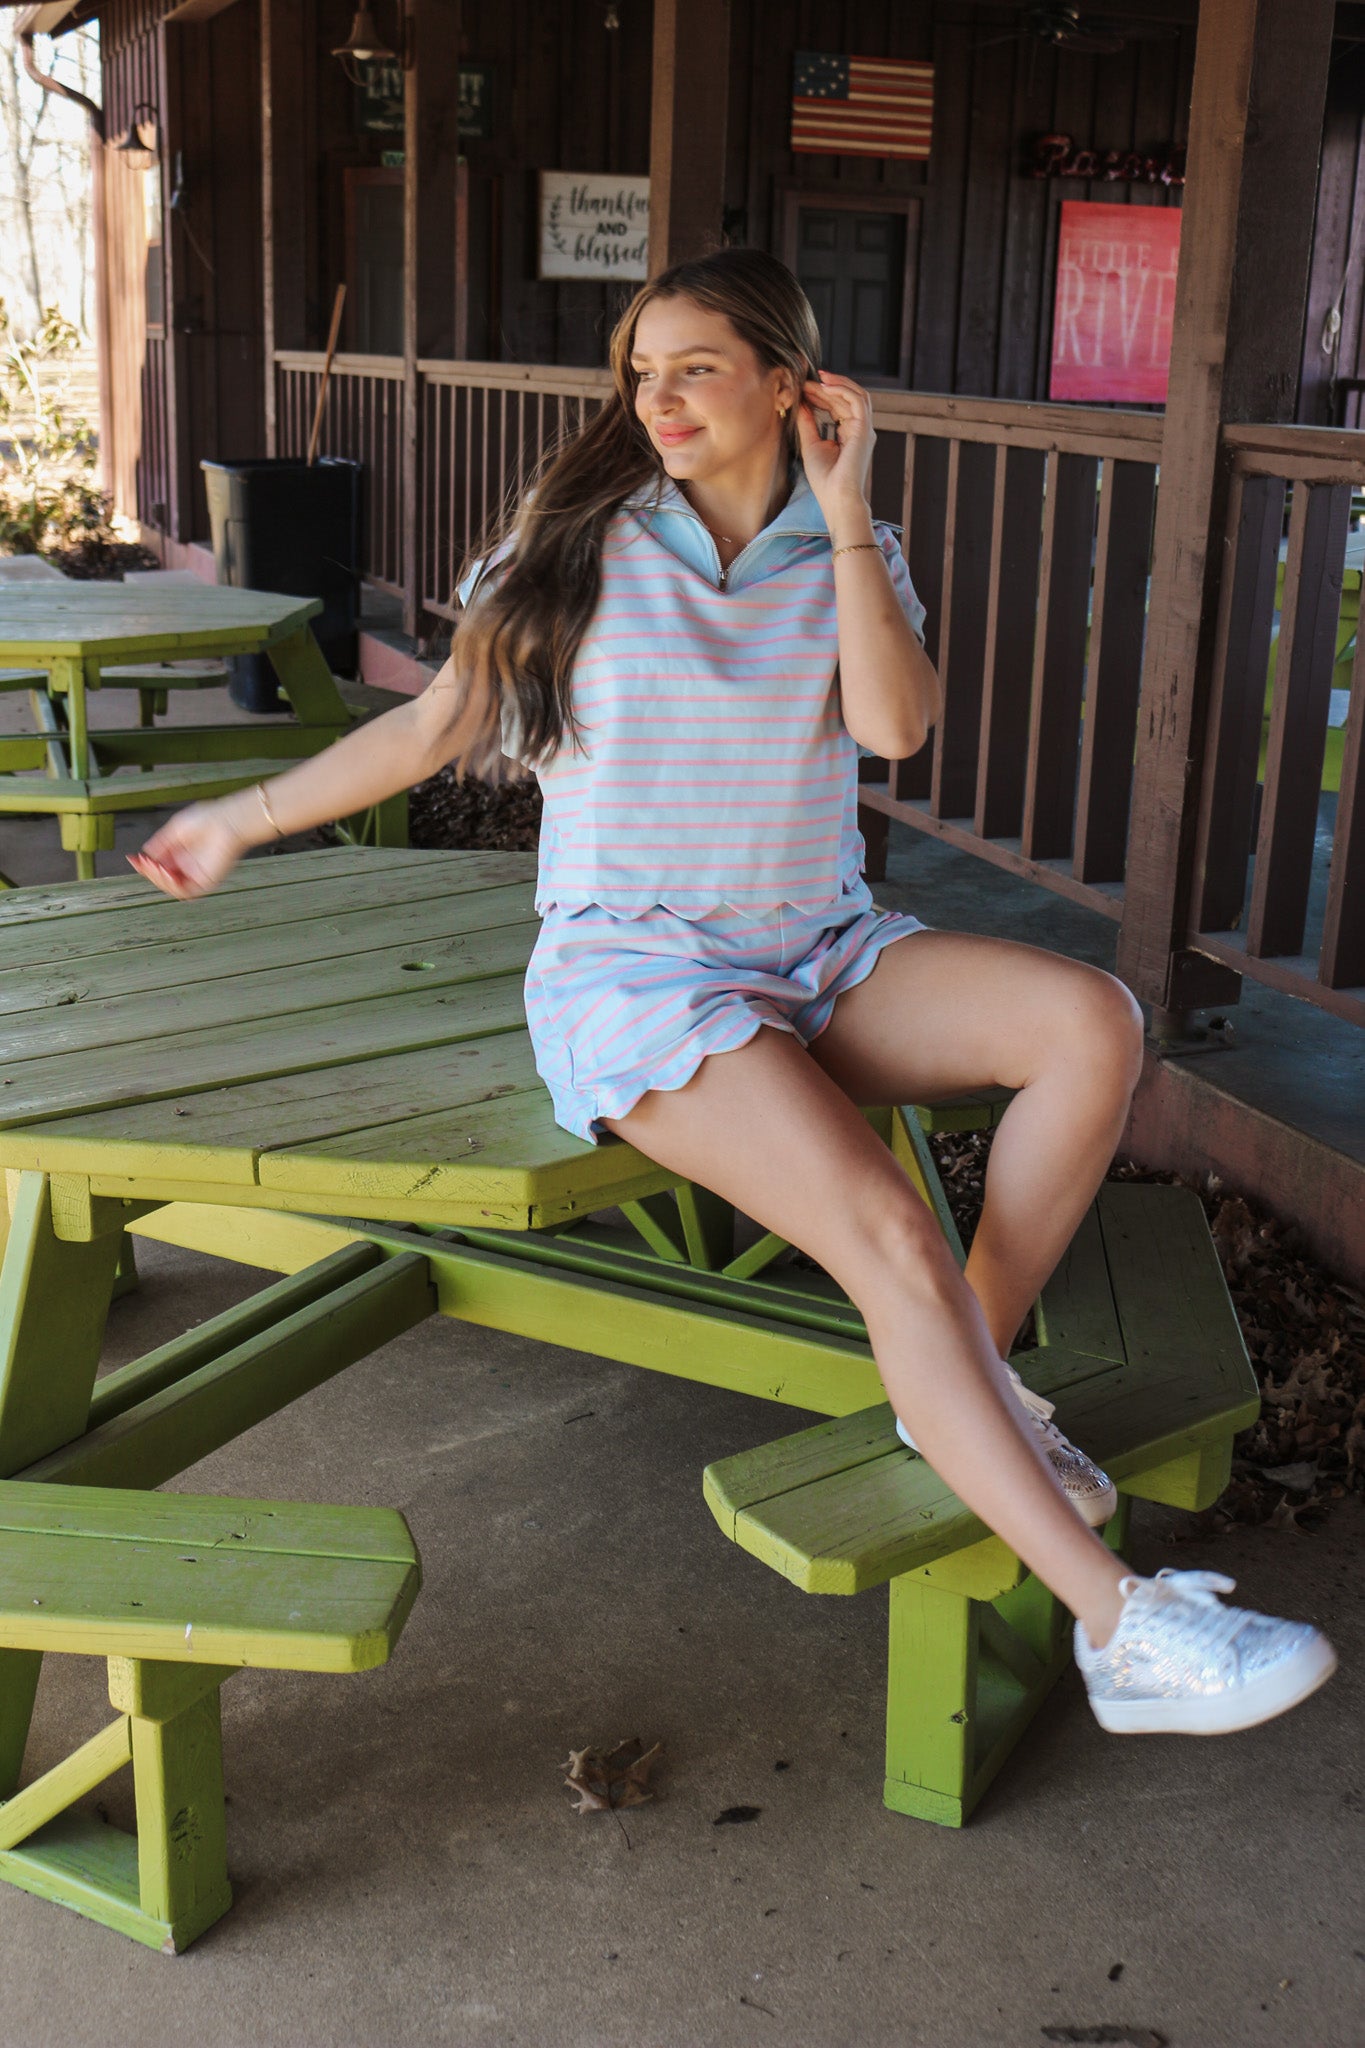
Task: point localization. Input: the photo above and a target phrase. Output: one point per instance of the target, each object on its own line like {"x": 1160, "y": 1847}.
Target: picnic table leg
{"x": 54, "y": 1297}
{"x": 307, "y": 681}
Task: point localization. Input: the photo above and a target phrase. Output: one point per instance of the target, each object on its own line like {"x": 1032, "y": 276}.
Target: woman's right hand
{"x": 192, "y": 852}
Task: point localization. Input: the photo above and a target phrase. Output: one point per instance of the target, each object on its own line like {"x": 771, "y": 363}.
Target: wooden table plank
{"x": 110, "y": 895}
{"x": 305, "y": 1041}
{"x": 190, "y": 1520}
{"x": 144, "y": 917}
{"x": 219, "y": 1133}
{"x": 117, "y": 622}
{"x": 328, "y": 987}
{"x": 421, "y": 931}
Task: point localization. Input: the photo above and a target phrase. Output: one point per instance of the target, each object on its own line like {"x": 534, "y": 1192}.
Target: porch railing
{"x": 364, "y": 420}
{"x": 1280, "y": 857}
{"x": 1028, "y": 530}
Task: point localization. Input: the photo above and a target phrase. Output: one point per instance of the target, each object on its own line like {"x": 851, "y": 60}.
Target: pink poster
{"x": 1111, "y": 327}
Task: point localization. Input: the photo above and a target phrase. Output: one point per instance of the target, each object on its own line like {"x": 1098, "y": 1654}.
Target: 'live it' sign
{"x": 1115, "y": 301}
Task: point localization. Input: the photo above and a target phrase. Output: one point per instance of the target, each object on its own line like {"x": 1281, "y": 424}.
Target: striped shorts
{"x": 617, "y": 1006}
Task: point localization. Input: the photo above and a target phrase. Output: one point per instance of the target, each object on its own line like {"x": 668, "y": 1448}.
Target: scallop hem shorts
{"x": 618, "y": 1006}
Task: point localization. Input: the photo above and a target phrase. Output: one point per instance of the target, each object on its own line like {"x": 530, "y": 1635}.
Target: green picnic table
{"x": 60, "y": 638}
{"x": 323, "y": 1069}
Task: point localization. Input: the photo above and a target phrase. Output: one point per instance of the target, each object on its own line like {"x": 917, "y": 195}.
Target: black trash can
{"x": 278, "y": 524}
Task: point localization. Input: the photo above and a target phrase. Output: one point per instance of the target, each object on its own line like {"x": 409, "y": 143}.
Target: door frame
{"x": 353, "y": 176}
{"x": 793, "y": 195}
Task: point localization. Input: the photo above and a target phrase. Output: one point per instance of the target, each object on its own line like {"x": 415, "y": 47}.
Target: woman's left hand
{"x": 838, "y": 469}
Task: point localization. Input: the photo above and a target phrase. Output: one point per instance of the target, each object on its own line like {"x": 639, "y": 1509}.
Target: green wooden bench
{"x": 1140, "y": 1348}
{"x": 178, "y": 1592}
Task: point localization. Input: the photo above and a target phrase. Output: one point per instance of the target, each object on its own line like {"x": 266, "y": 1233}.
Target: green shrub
{"x": 48, "y": 497}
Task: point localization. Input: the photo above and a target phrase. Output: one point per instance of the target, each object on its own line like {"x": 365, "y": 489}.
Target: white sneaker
{"x": 1091, "y": 1492}
{"x": 1178, "y": 1663}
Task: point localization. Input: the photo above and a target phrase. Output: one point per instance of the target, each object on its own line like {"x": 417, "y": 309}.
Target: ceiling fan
{"x": 1068, "y": 27}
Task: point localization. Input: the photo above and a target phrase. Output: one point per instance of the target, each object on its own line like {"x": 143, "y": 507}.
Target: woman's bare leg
{"x": 765, "y": 1128}
{"x": 946, "y": 1012}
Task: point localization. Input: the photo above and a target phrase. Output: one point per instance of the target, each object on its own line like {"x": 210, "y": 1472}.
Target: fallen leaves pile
{"x": 444, "y": 812}
{"x": 618, "y": 1777}
{"x": 1304, "y": 1331}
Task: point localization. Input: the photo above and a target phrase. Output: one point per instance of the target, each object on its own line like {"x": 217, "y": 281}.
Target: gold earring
{"x": 782, "y": 411}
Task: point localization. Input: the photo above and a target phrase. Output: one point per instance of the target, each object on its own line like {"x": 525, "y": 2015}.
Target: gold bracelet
{"x": 851, "y": 547}
{"x": 269, "y": 814}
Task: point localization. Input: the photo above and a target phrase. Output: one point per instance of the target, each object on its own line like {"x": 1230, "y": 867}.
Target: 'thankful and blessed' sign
{"x": 1111, "y": 325}
{"x": 594, "y": 225}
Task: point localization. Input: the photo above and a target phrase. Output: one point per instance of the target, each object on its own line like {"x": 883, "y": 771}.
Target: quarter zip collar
{"x": 666, "y": 511}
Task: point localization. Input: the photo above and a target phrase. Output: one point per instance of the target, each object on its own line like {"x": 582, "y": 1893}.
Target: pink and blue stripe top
{"x": 714, "y": 769}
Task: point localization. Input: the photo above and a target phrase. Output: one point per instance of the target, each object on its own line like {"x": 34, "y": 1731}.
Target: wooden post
{"x": 687, "y": 129}
{"x": 1260, "y": 82}
{"x": 431, "y": 155}
{"x": 286, "y": 87}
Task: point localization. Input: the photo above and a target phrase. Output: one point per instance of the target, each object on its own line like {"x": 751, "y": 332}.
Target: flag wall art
{"x": 861, "y": 106}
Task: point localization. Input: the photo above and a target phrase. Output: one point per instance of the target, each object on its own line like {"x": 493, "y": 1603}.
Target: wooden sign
{"x": 1111, "y": 323}
{"x": 379, "y": 99}
{"x": 594, "y": 225}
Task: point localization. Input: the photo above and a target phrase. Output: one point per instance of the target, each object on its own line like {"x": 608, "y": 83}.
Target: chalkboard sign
{"x": 379, "y": 99}
{"x": 594, "y": 225}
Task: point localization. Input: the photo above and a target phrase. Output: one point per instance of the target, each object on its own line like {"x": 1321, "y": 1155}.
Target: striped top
{"x": 714, "y": 768}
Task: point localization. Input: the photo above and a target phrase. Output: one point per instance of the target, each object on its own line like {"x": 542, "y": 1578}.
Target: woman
{"x": 689, "y": 628}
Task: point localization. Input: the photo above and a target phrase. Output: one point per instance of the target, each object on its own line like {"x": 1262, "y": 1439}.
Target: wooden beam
{"x": 687, "y": 129}
{"x": 431, "y": 156}
{"x": 1260, "y": 82}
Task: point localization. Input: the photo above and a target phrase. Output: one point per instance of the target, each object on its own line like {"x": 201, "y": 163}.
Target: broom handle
{"x": 337, "y": 305}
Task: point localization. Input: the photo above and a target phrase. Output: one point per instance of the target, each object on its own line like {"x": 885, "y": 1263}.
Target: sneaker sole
{"x": 1098, "y": 1511}
{"x": 1275, "y": 1692}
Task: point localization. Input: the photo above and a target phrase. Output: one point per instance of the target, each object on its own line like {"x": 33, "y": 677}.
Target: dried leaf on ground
{"x": 604, "y": 1780}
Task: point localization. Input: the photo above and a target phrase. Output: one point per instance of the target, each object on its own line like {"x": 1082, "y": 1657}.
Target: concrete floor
{"x": 406, "y": 1863}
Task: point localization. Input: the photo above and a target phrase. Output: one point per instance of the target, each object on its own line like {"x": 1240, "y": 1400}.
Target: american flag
{"x": 862, "y": 106}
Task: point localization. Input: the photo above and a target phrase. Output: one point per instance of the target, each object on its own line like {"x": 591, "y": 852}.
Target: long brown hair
{"x": 518, "y": 639}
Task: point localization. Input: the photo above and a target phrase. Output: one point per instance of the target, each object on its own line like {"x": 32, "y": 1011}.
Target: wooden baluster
{"x": 1343, "y": 934}
{"x": 1298, "y": 718}
{"x": 925, "y": 518}
{"x": 1011, "y": 615}
{"x": 1118, "y": 620}
{"x": 1059, "y": 655}
{"x": 962, "y": 641}
{"x": 1246, "y": 614}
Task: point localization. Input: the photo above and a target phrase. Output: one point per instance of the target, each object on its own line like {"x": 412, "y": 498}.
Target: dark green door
{"x": 853, "y": 267}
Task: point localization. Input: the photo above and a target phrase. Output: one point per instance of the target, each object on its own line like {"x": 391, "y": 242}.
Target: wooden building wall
{"x": 1338, "y": 277}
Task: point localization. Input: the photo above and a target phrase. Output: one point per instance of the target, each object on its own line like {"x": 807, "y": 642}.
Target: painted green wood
{"x": 976, "y": 1112}
{"x": 303, "y": 1041}
{"x": 759, "y": 1255}
{"x": 188, "y": 782}
{"x": 207, "y": 1522}
{"x": 131, "y": 747}
{"x": 657, "y": 1220}
{"x": 708, "y": 1226}
{"x": 181, "y": 1824}
{"x": 796, "y": 1295}
{"x": 20, "y": 1671}
{"x": 219, "y": 1133}
{"x": 232, "y": 1604}
{"x": 54, "y": 1298}
{"x": 122, "y": 1389}
{"x": 1076, "y": 1307}
{"x": 311, "y": 881}
{"x": 66, "y": 1782}
{"x": 910, "y": 1146}
{"x": 43, "y": 625}
{"x": 325, "y": 987}
{"x": 932, "y": 1667}
{"x": 648, "y": 1324}
{"x": 160, "y": 1435}
{"x": 838, "y": 1509}
{"x": 1169, "y": 1290}
{"x": 81, "y": 1862}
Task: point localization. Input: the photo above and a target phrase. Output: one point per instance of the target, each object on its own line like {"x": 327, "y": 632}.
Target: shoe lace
{"x": 1213, "y": 1625}
{"x": 1037, "y": 1406}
